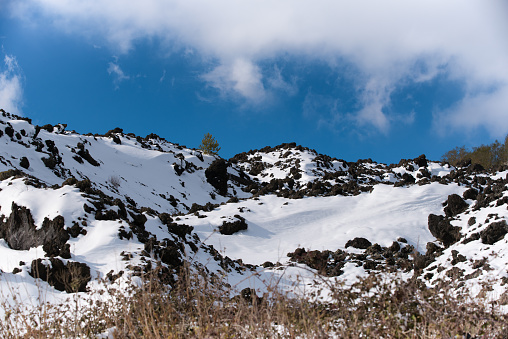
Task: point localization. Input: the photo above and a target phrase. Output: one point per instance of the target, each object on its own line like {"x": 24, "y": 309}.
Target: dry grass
{"x": 200, "y": 306}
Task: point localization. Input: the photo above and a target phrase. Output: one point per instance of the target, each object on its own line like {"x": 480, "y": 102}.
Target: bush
{"x": 114, "y": 181}
{"x": 488, "y": 156}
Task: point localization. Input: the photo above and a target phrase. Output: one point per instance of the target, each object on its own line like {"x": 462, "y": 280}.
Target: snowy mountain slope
{"x": 151, "y": 171}
{"x": 277, "y": 226}
{"x": 98, "y": 203}
{"x": 117, "y": 206}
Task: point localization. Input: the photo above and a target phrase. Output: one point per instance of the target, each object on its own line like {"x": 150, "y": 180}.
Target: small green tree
{"x": 209, "y": 145}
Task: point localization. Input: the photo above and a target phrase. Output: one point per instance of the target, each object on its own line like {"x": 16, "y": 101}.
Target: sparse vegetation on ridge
{"x": 488, "y": 156}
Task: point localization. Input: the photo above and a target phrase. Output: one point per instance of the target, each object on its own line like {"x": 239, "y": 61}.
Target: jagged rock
{"x": 20, "y": 233}
{"x": 231, "y": 227}
{"x": 421, "y": 161}
{"x": 395, "y": 247}
{"x": 455, "y": 205}
{"x": 83, "y": 153}
{"x": 441, "y": 228}
{"x": 407, "y": 179}
{"x": 494, "y": 232}
{"x": 475, "y": 168}
{"x": 217, "y": 175}
{"x": 10, "y": 173}
{"x": 325, "y": 262}
{"x": 71, "y": 277}
{"x": 75, "y": 230}
{"x": 360, "y": 243}
{"x": 24, "y": 162}
{"x": 470, "y": 194}
{"x": 432, "y": 248}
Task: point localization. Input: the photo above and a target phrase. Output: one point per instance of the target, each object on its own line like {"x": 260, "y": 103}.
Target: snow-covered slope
{"x": 151, "y": 171}
{"x": 117, "y": 205}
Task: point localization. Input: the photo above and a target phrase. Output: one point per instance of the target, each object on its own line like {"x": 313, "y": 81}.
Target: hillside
{"x": 76, "y": 209}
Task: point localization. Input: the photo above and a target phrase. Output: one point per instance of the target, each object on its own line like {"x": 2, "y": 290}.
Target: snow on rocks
{"x": 116, "y": 206}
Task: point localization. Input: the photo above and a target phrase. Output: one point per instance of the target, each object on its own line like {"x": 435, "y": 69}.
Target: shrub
{"x": 114, "y": 181}
{"x": 488, "y": 156}
{"x": 198, "y": 306}
{"x": 10, "y": 173}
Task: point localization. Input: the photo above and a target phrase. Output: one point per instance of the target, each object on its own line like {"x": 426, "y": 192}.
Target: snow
{"x": 43, "y": 203}
{"x": 274, "y": 229}
{"x": 144, "y": 176}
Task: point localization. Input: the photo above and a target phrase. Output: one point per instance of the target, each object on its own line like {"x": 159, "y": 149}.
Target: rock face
{"x": 20, "y": 233}
{"x": 217, "y": 175}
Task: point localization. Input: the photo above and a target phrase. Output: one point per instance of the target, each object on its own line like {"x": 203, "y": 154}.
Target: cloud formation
{"x": 11, "y": 89}
{"x": 388, "y": 42}
{"x": 240, "y": 76}
{"x": 117, "y": 73}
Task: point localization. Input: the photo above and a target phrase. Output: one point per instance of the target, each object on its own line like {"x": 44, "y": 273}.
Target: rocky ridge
{"x": 60, "y": 189}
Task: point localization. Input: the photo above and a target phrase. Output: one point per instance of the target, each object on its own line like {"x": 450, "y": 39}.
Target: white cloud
{"x": 388, "y": 41}
{"x": 488, "y": 110}
{"x": 163, "y": 76}
{"x": 276, "y": 81}
{"x": 238, "y": 77}
{"x": 11, "y": 89}
{"x": 117, "y": 73}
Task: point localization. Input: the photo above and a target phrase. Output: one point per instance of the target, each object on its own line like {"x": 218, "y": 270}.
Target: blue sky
{"x": 352, "y": 79}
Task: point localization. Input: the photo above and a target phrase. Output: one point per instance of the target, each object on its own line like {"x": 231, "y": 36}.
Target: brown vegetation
{"x": 488, "y": 156}
{"x": 200, "y": 306}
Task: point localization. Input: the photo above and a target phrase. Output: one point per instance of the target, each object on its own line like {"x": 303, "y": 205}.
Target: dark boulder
{"x": 325, "y": 262}
{"x": 475, "y": 168}
{"x": 20, "y": 233}
{"x": 455, "y": 205}
{"x": 471, "y": 221}
{"x": 457, "y": 257}
{"x": 71, "y": 277}
{"x": 432, "y": 248}
{"x": 24, "y": 162}
{"x": 441, "y": 228}
{"x": 217, "y": 175}
{"x": 470, "y": 194}
{"x": 360, "y": 243}
{"x": 494, "y": 232}
{"x": 421, "y": 161}
{"x": 231, "y": 227}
